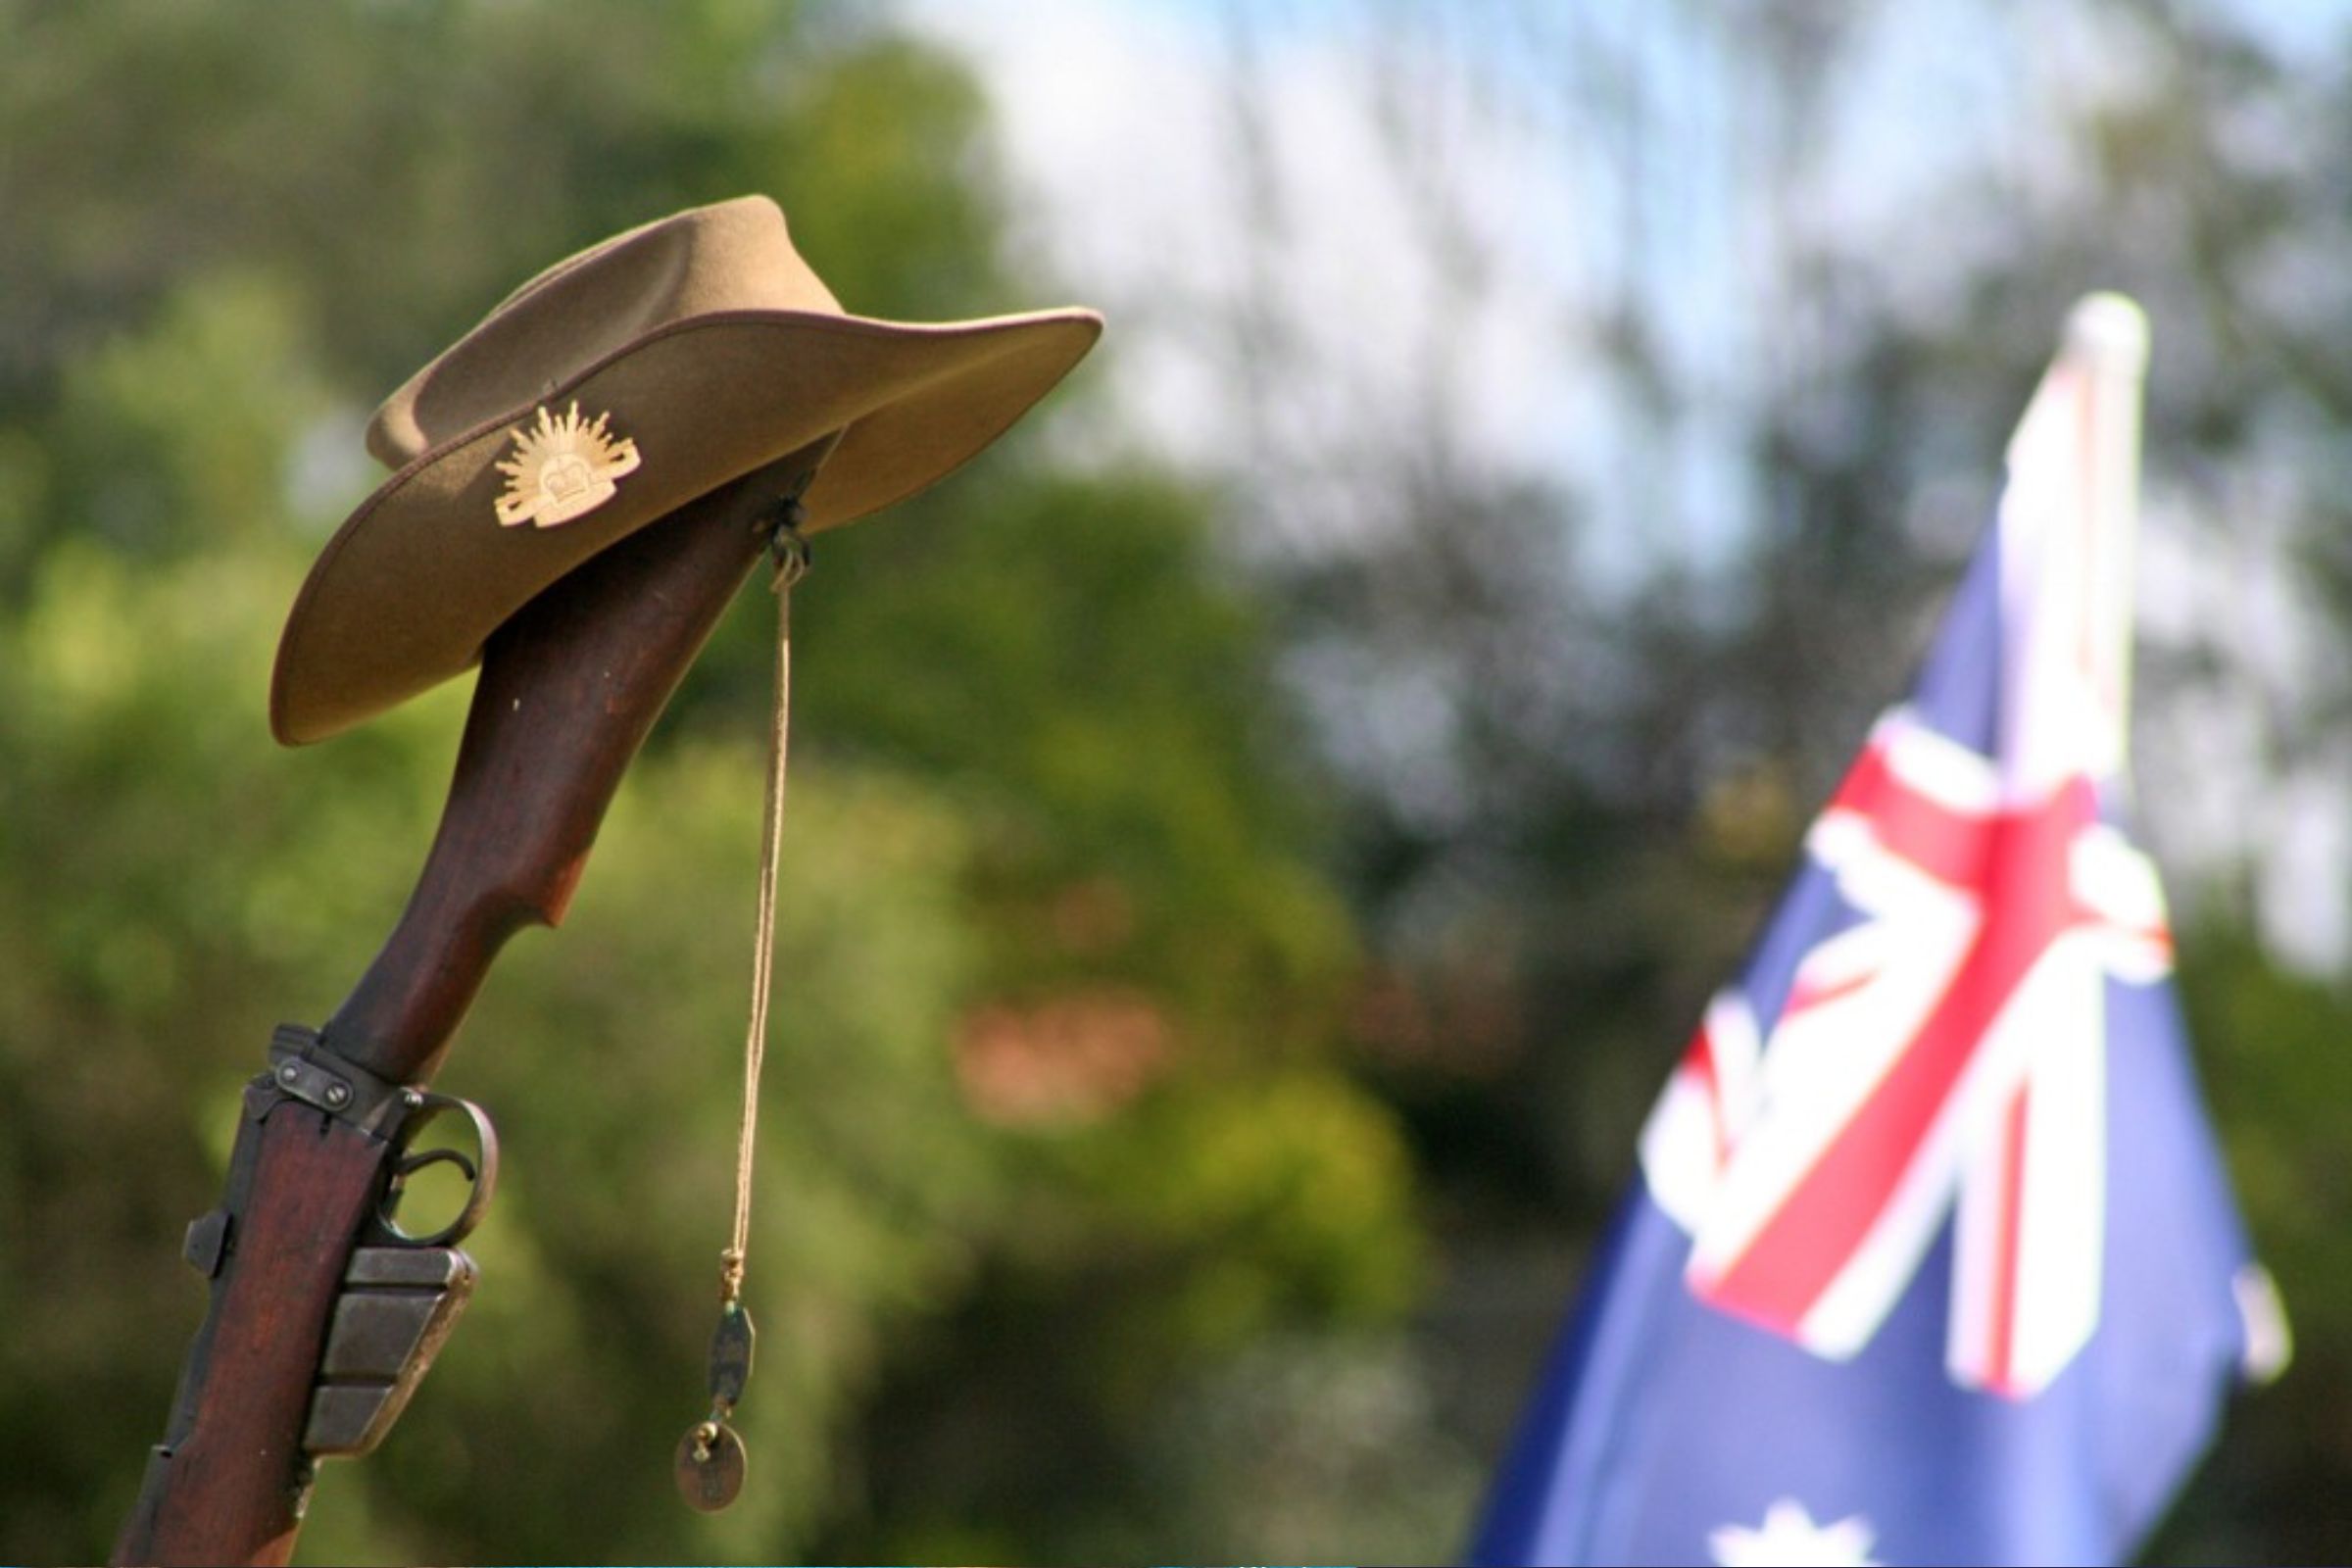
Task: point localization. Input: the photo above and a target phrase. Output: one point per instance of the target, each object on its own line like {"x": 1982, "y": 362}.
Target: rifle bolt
{"x": 409, "y": 1099}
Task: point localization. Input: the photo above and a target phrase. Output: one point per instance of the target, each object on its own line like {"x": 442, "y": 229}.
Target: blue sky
{"x": 1273, "y": 312}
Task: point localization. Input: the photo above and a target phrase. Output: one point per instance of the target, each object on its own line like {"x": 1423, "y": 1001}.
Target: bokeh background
{"x": 1259, "y": 836}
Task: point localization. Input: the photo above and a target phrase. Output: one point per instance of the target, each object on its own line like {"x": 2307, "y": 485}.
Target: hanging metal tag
{"x": 710, "y": 1466}
{"x": 730, "y": 1357}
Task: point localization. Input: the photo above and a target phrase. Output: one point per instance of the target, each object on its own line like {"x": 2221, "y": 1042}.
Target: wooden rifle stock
{"x": 568, "y": 688}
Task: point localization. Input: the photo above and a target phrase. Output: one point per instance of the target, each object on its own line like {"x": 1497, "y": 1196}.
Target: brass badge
{"x": 562, "y": 469}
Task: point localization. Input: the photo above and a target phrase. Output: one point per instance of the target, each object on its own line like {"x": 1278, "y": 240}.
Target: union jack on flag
{"x": 1933, "y": 1255}
{"x": 1942, "y": 1038}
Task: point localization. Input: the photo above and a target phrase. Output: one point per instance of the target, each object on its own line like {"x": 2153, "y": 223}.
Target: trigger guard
{"x": 483, "y": 1176}
{"x": 408, "y": 1166}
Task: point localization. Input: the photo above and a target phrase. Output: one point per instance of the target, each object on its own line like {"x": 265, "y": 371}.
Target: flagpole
{"x": 2106, "y": 337}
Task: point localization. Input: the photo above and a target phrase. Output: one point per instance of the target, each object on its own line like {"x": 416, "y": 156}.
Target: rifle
{"x": 324, "y": 1313}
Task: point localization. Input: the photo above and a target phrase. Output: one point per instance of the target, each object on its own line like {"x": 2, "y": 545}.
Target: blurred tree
{"x": 2277, "y": 1080}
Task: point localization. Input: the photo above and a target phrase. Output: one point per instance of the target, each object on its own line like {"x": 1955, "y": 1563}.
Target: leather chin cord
{"x": 711, "y": 1463}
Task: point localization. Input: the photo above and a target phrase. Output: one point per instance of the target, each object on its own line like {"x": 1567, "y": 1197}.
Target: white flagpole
{"x": 2107, "y": 336}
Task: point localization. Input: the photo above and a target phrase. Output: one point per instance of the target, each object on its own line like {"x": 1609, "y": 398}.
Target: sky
{"x": 1457, "y": 202}
{"x": 1418, "y": 219}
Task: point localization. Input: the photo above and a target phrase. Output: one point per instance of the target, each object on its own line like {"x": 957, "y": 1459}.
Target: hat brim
{"x": 421, "y": 573}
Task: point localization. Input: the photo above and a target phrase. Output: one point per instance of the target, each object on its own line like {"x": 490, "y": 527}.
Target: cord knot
{"x": 730, "y": 1274}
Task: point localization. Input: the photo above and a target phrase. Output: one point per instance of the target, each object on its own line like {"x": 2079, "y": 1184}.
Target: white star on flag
{"x": 1790, "y": 1539}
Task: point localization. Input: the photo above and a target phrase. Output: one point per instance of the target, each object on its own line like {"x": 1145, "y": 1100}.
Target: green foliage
{"x": 1077, "y": 665}
{"x": 2278, "y": 1077}
{"x": 1239, "y": 1210}
{"x": 1303, "y": 1445}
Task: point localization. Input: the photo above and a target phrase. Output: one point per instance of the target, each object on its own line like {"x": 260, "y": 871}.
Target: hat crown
{"x": 732, "y": 255}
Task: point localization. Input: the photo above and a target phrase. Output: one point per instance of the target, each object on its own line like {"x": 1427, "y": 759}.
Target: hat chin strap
{"x": 782, "y": 517}
{"x": 709, "y": 1464}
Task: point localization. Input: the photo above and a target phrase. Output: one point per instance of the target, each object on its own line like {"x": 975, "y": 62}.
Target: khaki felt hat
{"x": 603, "y": 394}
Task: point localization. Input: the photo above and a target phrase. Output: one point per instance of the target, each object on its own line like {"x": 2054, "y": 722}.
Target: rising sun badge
{"x": 562, "y": 469}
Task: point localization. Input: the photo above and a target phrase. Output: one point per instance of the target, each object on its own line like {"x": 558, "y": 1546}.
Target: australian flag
{"x": 1932, "y": 1259}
